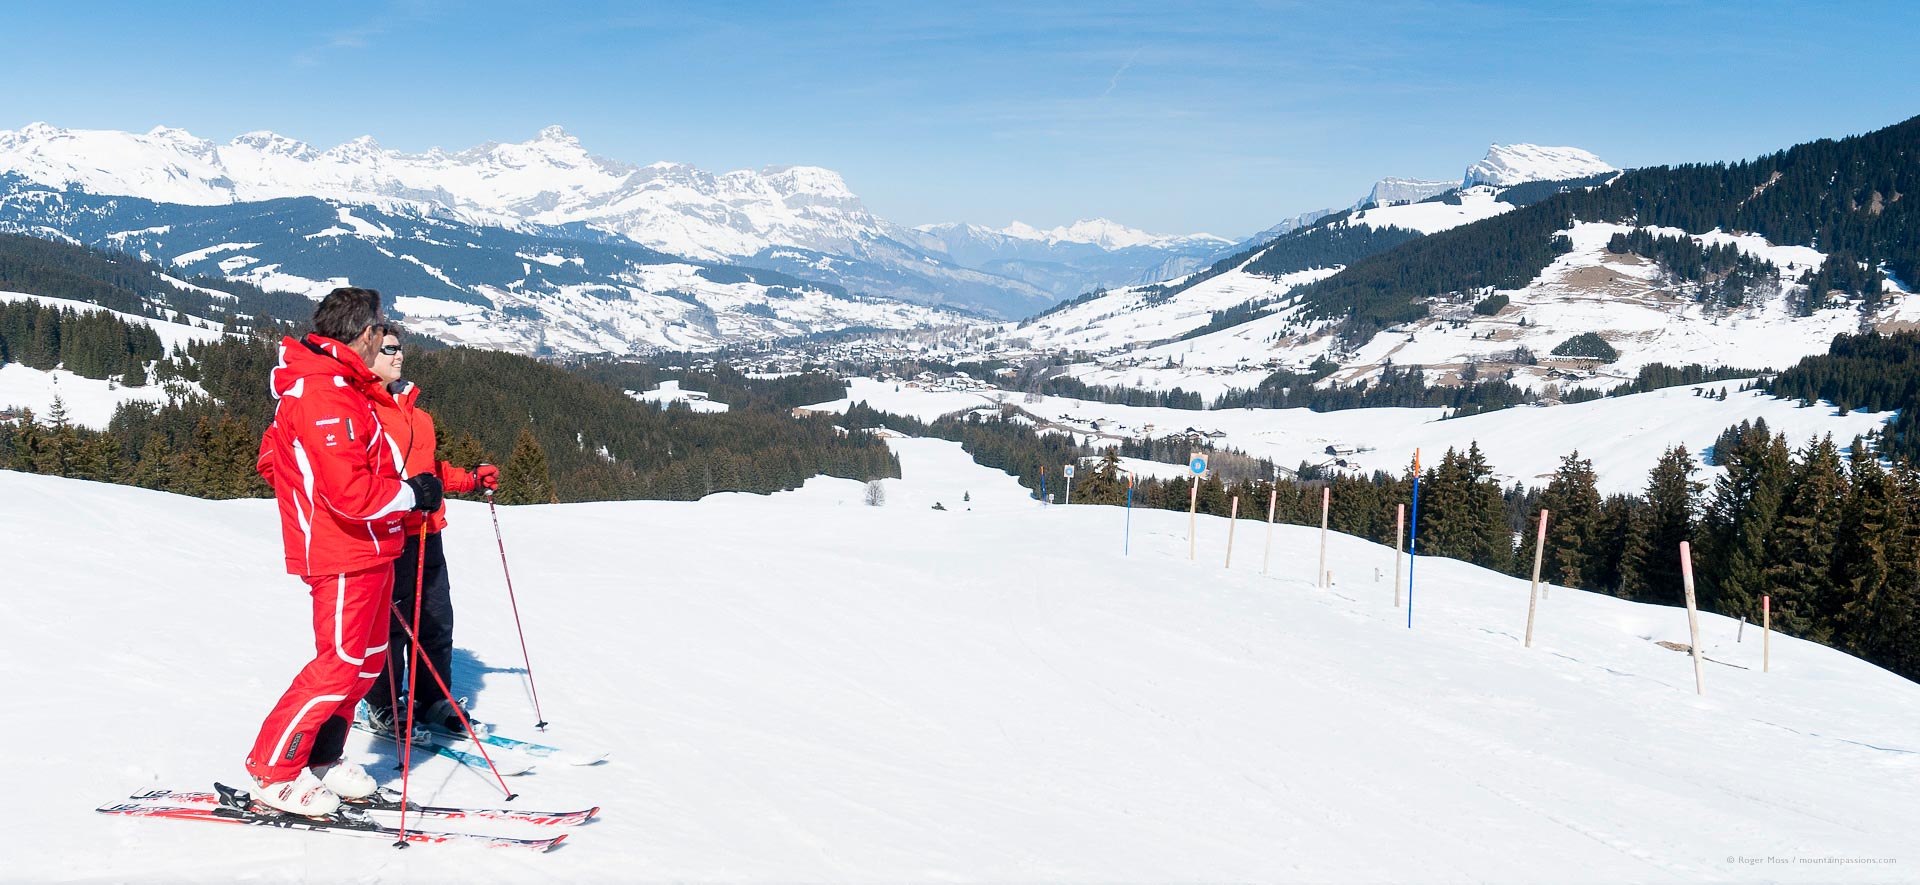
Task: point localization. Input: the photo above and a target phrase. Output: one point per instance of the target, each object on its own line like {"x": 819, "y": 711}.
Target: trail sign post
{"x": 1197, "y": 468}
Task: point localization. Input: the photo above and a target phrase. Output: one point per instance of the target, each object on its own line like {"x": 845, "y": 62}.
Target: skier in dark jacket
{"x": 411, "y": 429}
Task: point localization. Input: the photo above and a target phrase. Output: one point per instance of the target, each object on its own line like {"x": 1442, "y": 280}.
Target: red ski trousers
{"x": 350, "y": 614}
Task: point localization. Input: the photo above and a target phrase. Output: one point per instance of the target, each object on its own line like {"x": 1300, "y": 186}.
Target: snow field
{"x": 1623, "y": 436}
{"x": 800, "y": 687}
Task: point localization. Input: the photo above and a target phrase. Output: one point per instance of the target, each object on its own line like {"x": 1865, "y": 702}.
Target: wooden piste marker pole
{"x": 1273, "y": 497}
{"x": 1399, "y": 536}
{"x": 1539, "y": 544}
{"x": 1766, "y": 633}
{"x": 1232, "y": 523}
{"x": 1326, "y": 498}
{"x": 1193, "y": 507}
{"x": 1693, "y": 615}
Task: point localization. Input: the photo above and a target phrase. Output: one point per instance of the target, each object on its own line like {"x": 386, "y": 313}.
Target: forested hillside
{"x": 1849, "y": 198}
{"x": 567, "y": 435}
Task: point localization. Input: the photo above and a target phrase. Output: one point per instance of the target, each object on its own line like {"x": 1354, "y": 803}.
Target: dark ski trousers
{"x": 435, "y": 630}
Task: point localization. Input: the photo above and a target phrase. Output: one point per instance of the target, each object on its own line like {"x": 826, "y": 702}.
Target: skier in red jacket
{"x": 412, "y": 429}
{"x": 342, "y": 501}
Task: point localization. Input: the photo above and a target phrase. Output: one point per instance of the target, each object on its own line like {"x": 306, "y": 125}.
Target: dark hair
{"x": 346, "y": 312}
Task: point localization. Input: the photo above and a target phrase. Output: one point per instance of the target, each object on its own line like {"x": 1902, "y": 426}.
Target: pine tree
{"x": 1740, "y": 520}
{"x": 1871, "y": 537}
{"x": 156, "y": 467}
{"x": 29, "y": 444}
{"x": 1800, "y": 564}
{"x": 1572, "y": 499}
{"x": 1652, "y": 567}
{"x": 526, "y": 479}
{"x": 1491, "y": 532}
{"x": 97, "y": 458}
{"x": 1882, "y": 623}
{"x": 61, "y": 444}
{"x": 463, "y": 450}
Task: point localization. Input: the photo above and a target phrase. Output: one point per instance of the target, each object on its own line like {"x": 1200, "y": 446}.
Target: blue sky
{"x": 1173, "y": 117}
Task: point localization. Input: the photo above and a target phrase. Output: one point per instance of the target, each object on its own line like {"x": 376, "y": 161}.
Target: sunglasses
{"x": 390, "y": 349}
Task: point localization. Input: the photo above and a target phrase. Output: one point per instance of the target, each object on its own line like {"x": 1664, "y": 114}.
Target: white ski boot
{"x": 347, "y": 780}
{"x": 304, "y": 794}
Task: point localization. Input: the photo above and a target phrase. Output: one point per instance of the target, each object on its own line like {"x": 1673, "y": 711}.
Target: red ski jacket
{"x": 330, "y": 463}
{"x": 411, "y": 429}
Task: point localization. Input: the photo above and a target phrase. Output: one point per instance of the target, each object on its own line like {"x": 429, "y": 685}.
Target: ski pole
{"x": 541, "y": 725}
{"x": 393, "y": 691}
{"x": 413, "y": 649}
{"x": 464, "y": 723}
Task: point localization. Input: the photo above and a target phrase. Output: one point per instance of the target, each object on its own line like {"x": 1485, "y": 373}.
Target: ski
{"x": 508, "y": 767}
{"x": 387, "y": 802}
{"x": 236, "y": 807}
{"x": 538, "y": 751}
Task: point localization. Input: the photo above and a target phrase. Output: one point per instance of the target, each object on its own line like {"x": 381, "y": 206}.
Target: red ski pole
{"x": 472, "y": 736}
{"x": 542, "y": 723}
{"x": 413, "y": 645}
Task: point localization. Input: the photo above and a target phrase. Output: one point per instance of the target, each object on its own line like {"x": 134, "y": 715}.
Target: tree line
{"x": 559, "y": 436}
{"x": 91, "y": 344}
{"x": 1865, "y": 372}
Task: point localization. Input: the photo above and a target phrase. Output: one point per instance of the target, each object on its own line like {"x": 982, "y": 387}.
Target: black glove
{"x": 427, "y": 492}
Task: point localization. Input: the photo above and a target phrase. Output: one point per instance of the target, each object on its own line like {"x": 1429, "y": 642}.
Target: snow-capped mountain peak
{"x": 1107, "y": 234}
{"x": 557, "y": 134}
{"x": 1506, "y": 165}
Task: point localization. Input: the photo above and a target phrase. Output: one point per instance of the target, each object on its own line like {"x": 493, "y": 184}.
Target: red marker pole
{"x": 1539, "y": 543}
{"x": 1326, "y": 499}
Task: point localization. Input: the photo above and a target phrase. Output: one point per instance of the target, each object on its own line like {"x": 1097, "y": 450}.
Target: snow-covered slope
{"x": 802, "y": 688}
{"x": 1124, "y": 318}
{"x": 1131, "y": 317}
{"x": 1434, "y": 215}
{"x": 1423, "y": 207}
{"x": 1629, "y": 301}
{"x": 1624, "y": 436}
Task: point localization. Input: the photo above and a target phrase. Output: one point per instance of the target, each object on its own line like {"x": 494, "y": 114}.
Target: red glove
{"x": 456, "y": 481}
{"x": 487, "y": 476}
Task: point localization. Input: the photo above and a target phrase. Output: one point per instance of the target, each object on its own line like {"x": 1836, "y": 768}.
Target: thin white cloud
{"x": 1114, "y": 81}
{"x": 362, "y": 36}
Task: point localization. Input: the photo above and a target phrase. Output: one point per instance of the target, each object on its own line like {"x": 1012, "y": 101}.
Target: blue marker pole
{"x": 1043, "y": 486}
{"x": 1127, "y": 548}
{"x": 1413, "y": 547}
